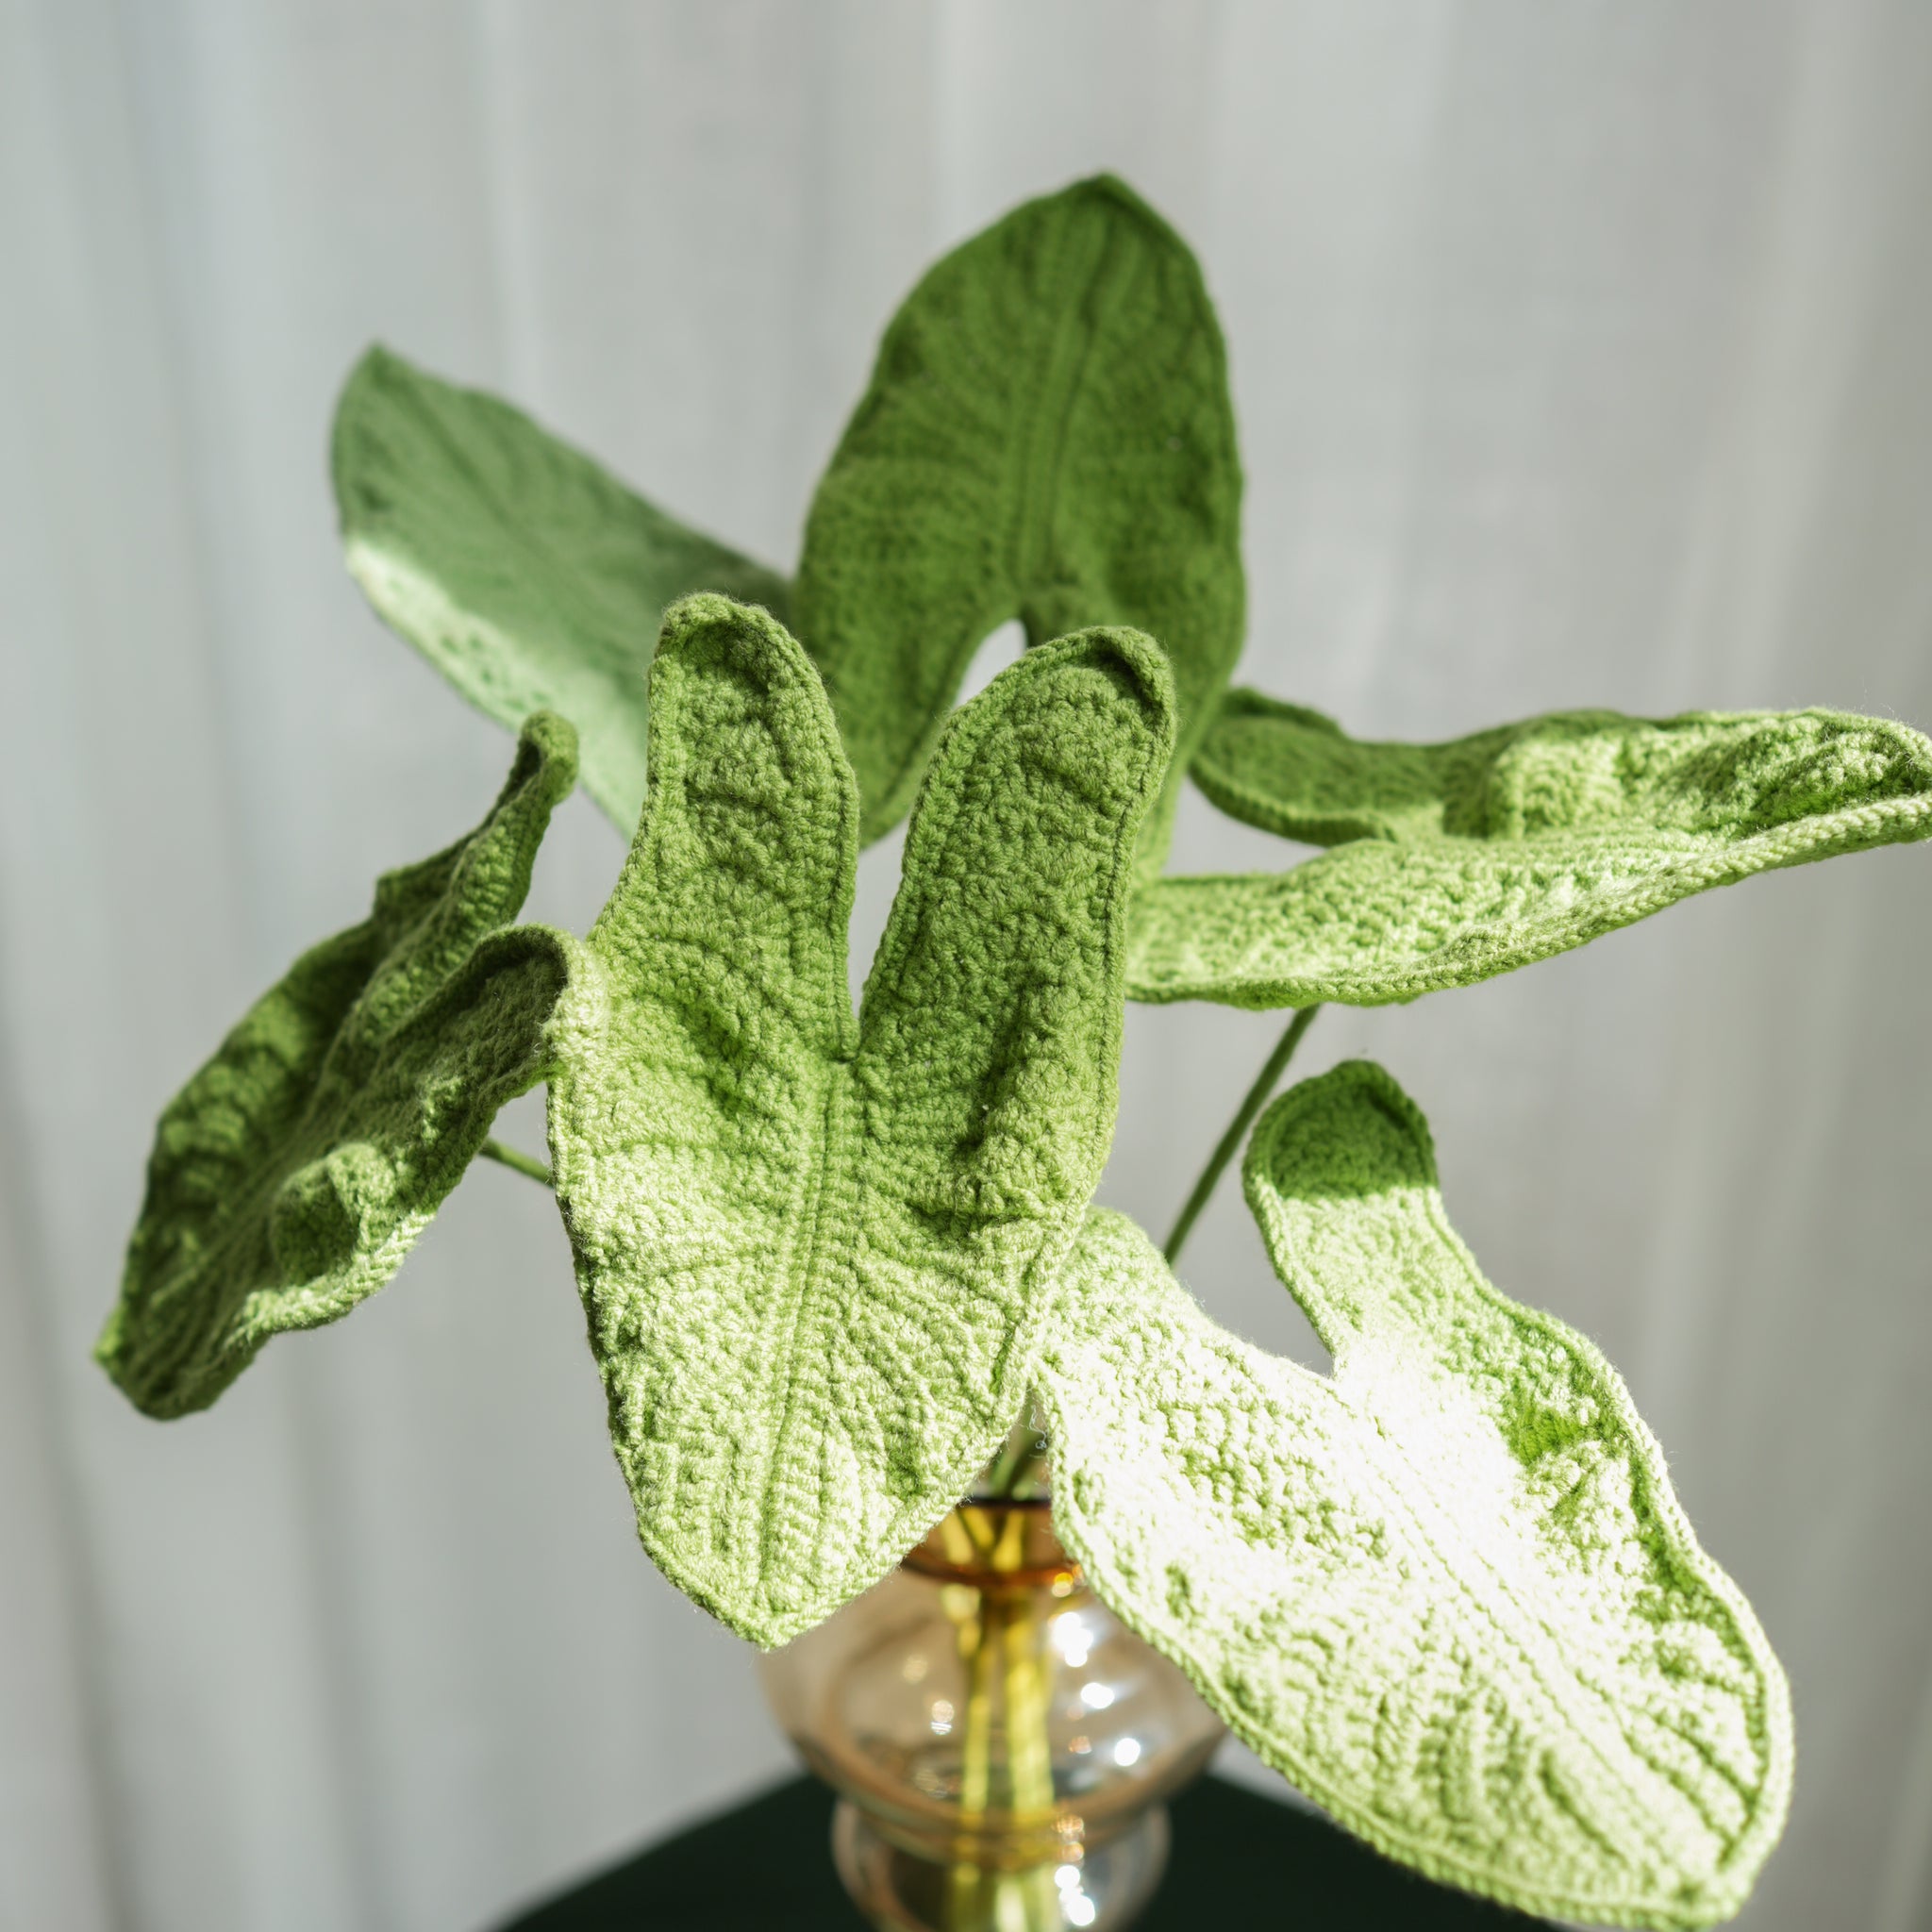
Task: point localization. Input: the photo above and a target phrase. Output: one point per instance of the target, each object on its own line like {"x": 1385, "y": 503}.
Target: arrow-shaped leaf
{"x": 1448, "y": 1592}
{"x": 295, "y": 1170}
{"x": 1468, "y": 859}
{"x": 527, "y": 574}
{"x": 1048, "y": 436}
{"x": 815, "y": 1253}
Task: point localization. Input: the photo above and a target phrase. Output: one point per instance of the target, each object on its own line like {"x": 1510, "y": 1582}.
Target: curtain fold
{"x": 1582, "y": 356}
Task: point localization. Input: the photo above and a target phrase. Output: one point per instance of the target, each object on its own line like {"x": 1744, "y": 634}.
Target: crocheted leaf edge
{"x": 1163, "y": 916}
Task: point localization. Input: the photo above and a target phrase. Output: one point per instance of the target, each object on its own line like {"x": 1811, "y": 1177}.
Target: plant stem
{"x": 1226, "y": 1148}
{"x": 1015, "y": 1473}
{"x": 1029, "y": 1756}
{"x": 511, "y": 1158}
{"x": 965, "y": 1878}
{"x": 1006, "y": 1771}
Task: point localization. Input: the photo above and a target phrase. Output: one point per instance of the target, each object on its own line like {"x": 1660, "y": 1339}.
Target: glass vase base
{"x": 1098, "y": 1889}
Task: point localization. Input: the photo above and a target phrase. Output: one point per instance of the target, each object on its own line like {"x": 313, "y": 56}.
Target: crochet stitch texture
{"x": 816, "y": 1252}
{"x": 1449, "y": 1591}
{"x": 295, "y": 1170}
{"x": 1047, "y": 435}
{"x": 1467, "y": 860}
{"x": 526, "y": 573}
{"x": 825, "y": 1258}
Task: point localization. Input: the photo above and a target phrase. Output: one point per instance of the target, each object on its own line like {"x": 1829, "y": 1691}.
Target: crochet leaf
{"x": 1471, "y": 859}
{"x": 815, "y": 1253}
{"x": 295, "y": 1170}
{"x": 526, "y": 573}
{"x": 1047, "y": 435}
{"x": 1449, "y": 1591}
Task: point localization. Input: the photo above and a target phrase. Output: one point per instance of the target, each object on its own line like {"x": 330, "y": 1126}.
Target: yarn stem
{"x": 512, "y": 1157}
{"x": 1230, "y": 1143}
{"x": 1015, "y": 1474}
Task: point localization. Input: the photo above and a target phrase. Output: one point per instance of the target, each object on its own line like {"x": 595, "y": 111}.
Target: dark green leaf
{"x": 1047, "y": 436}
{"x": 295, "y": 1170}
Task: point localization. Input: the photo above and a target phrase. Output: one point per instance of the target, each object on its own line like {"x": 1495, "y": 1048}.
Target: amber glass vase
{"x": 1001, "y": 1743}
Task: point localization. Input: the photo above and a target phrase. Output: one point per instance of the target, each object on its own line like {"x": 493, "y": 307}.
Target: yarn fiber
{"x": 1455, "y": 862}
{"x": 1448, "y": 1592}
{"x": 816, "y": 1251}
{"x": 1047, "y": 435}
{"x": 296, "y": 1169}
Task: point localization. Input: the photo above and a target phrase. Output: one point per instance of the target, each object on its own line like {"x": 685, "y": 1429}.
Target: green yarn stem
{"x": 1015, "y": 1474}
{"x": 1226, "y": 1147}
{"x": 512, "y": 1157}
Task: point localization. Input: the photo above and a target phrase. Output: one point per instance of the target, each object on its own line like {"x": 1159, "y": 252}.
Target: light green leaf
{"x": 1048, "y": 436}
{"x": 1471, "y": 859}
{"x": 528, "y": 574}
{"x": 1448, "y": 1592}
{"x": 815, "y": 1254}
{"x": 295, "y": 1170}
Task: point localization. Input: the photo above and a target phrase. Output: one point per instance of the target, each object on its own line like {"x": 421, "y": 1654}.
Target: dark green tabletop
{"x": 1239, "y": 1860}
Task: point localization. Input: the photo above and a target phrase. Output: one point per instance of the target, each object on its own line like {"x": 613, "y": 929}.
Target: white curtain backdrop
{"x": 1583, "y": 355}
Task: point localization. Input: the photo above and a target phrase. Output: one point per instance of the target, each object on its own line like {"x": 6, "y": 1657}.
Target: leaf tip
{"x": 547, "y": 754}
{"x": 376, "y": 370}
{"x": 1350, "y": 1130}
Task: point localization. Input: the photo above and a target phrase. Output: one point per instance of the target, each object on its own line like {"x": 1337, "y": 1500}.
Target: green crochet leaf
{"x": 295, "y": 1170}
{"x": 1448, "y": 1592}
{"x": 527, "y": 574}
{"x": 1047, "y": 435}
{"x": 1471, "y": 859}
{"x": 815, "y": 1253}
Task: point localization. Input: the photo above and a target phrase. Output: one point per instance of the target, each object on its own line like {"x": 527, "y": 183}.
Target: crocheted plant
{"x": 827, "y": 1260}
